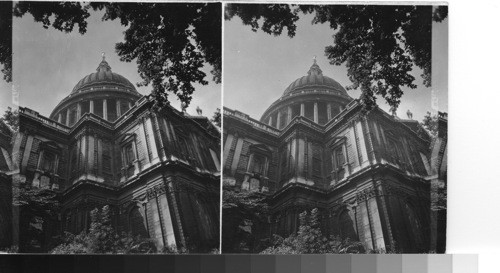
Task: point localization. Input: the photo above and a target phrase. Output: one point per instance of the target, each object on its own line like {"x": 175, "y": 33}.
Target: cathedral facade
{"x": 103, "y": 144}
{"x": 315, "y": 147}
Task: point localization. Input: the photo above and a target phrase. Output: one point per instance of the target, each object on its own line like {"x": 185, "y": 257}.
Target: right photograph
{"x": 334, "y": 129}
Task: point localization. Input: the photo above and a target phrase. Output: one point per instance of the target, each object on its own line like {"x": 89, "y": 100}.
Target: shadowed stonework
{"x": 103, "y": 145}
{"x": 371, "y": 175}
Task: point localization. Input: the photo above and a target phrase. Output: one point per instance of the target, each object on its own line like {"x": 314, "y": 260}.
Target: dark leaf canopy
{"x": 379, "y": 44}
{"x": 6, "y": 39}
{"x": 171, "y": 43}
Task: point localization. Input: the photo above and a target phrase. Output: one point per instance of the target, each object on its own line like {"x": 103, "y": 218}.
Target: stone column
{"x": 289, "y": 112}
{"x": 67, "y": 116}
{"x": 91, "y": 107}
{"x": 278, "y": 120}
{"x": 316, "y": 112}
{"x": 105, "y": 109}
{"x": 118, "y": 110}
{"x": 302, "y": 110}
{"x": 78, "y": 111}
{"x": 329, "y": 111}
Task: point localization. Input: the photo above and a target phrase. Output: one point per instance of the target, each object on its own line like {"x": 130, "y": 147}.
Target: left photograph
{"x": 117, "y": 148}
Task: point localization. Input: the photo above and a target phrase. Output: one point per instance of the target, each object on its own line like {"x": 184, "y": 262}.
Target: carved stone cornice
{"x": 366, "y": 194}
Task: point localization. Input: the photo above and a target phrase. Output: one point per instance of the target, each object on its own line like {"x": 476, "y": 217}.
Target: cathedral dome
{"x": 103, "y": 93}
{"x": 314, "y": 96}
{"x": 104, "y": 77}
{"x": 315, "y": 80}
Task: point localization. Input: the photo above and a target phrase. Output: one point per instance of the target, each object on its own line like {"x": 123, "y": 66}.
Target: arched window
{"x": 137, "y": 223}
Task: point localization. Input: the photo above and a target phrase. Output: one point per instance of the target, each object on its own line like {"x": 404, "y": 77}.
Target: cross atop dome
{"x": 315, "y": 70}
{"x": 103, "y": 66}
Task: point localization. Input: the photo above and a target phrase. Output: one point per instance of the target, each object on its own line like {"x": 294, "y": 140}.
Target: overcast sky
{"x": 259, "y": 67}
{"x": 49, "y": 63}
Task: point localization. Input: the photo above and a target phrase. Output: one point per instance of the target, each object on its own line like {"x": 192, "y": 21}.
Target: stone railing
{"x": 51, "y": 123}
{"x": 256, "y": 124}
{"x": 305, "y": 92}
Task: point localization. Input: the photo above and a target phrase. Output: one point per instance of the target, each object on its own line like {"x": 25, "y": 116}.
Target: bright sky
{"x": 49, "y": 63}
{"x": 259, "y": 67}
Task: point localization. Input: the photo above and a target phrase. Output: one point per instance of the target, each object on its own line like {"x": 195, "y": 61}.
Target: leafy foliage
{"x": 37, "y": 209}
{"x": 102, "y": 238}
{"x": 430, "y": 124}
{"x": 6, "y": 40}
{"x": 171, "y": 42}
{"x": 379, "y": 44}
{"x": 310, "y": 240}
{"x": 216, "y": 118}
{"x": 38, "y": 202}
{"x": 244, "y": 213}
{"x": 11, "y": 118}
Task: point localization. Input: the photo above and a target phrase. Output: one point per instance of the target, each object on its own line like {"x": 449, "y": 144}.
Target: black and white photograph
{"x": 116, "y": 147}
{"x": 334, "y": 129}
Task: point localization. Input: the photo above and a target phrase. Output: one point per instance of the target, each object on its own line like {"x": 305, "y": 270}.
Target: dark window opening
{"x": 85, "y": 106}
{"x": 334, "y": 110}
{"x": 63, "y": 117}
{"x": 48, "y": 161}
{"x": 322, "y": 113}
{"x": 338, "y": 163}
{"x": 123, "y": 107}
{"x": 112, "y": 114}
{"x": 309, "y": 110}
{"x": 72, "y": 115}
{"x": 98, "y": 108}
{"x": 295, "y": 110}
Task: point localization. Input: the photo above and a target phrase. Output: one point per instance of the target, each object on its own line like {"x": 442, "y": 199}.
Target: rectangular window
{"x": 112, "y": 114}
{"x": 335, "y": 110}
{"x": 295, "y": 110}
{"x": 258, "y": 164}
{"x": 48, "y": 161}
{"x": 129, "y": 157}
{"x": 123, "y": 107}
{"x": 338, "y": 158}
{"x": 309, "y": 110}
{"x": 322, "y": 113}
{"x": 129, "y": 154}
{"x": 85, "y": 107}
{"x": 63, "y": 117}
{"x": 72, "y": 115}
{"x": 98, "y": 108}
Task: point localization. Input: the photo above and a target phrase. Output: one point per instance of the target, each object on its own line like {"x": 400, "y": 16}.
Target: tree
{"x": 6, "y": 40}
{"x": 245, "y": 214}
{"x": 309, "y": 239}
{"x": 37, "y": 210}
{"x": 170, "y": 42}
{"x": 216, "y": 118}
{"x": 430, "y": 124}
{"x": 379, "y": 44}
{"x": 11, "y": 118}
{"x": 102, "y": 238}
